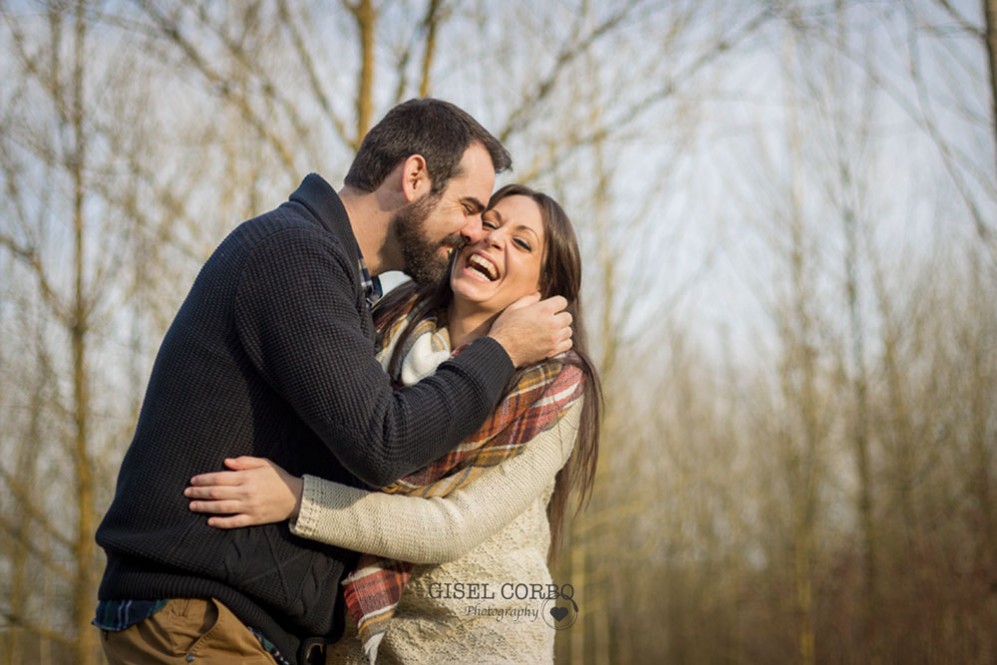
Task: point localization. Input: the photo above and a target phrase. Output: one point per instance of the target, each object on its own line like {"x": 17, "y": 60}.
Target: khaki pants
{"x": 187, "y": 630}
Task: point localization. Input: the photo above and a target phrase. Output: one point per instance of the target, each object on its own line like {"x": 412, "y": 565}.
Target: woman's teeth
{"x": 484, "y": 266}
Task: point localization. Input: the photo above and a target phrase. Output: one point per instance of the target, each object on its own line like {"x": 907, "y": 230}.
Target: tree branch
{"x": 308, "y": 63}
{"x": 171, "y": 31}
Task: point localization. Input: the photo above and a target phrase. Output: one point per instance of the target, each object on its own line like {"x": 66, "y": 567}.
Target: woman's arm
{"x": 416, "y": 529}
{"x": 438, "y": 529}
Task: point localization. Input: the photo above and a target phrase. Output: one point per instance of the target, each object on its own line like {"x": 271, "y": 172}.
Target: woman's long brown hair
{"x": 561, "y": 275}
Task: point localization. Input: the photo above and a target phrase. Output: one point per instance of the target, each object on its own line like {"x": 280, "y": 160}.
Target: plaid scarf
{"x": 536, "y": 402}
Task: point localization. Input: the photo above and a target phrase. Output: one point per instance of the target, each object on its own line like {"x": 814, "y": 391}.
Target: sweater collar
{"x": 322, "y": 201}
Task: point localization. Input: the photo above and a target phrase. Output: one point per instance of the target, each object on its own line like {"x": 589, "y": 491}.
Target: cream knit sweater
{"x": 477, "y": 592}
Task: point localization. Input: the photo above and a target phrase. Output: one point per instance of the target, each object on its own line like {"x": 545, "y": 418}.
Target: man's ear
{"x": 415, "y": 178}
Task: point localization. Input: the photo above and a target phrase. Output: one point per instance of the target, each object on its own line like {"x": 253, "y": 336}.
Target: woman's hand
{"x": 255, "y": 491}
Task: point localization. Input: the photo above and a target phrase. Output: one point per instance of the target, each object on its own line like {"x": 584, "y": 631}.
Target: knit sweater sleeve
{"x": 297, "y": 318}
{"x": 438, "y": 529}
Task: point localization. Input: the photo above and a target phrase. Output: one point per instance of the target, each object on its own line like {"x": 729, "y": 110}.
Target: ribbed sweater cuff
{"x": 319, "y": 506}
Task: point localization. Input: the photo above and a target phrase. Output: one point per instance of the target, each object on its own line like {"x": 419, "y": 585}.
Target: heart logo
{"x": 559, "y": 612}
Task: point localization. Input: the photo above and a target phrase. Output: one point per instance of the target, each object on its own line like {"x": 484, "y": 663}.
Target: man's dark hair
{"x": 435, "y": 129}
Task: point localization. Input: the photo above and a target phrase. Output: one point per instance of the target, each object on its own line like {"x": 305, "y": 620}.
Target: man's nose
{"x": 472, "y": 231}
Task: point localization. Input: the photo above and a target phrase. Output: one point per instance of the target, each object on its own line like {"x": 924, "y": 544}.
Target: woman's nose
{"x": 493, "y": 237}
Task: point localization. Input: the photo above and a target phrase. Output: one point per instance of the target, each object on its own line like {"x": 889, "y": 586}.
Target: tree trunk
{"x": 366, "y": 17}
{"x": 800, "y": 389}
{"x": 431, "y": 23}
{"x": 858, "y": 381}
{"x": 84, "y": 592}
{"x": 990, "y": 14}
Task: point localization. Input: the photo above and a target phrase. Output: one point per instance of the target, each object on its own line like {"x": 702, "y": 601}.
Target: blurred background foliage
{"x": 787, "y": 210}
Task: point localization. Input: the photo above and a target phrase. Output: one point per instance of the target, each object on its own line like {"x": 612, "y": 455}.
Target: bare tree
{"x": 990, "y": 38}
{"x": 846, "y": 192}
{"x": 825, "y": 444}
{"x": 63, "y": 83}
{"x": 63, "y": 232}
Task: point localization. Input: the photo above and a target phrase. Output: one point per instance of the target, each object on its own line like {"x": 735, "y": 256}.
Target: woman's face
{"x": 505, "y": 264}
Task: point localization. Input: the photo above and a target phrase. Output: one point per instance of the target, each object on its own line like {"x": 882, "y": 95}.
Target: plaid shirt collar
{"x": 371, "y": 285}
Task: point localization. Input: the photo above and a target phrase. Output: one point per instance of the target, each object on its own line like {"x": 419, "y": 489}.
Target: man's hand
{"x": 531, "y": 330}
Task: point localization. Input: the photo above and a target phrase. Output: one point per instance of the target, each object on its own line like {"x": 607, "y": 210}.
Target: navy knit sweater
{"x": 272, "y": 354}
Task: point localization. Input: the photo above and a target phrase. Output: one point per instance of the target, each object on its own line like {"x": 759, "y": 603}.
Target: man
{"x": 272, "y": 354}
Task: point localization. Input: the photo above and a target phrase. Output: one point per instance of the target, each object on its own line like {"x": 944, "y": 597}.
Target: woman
{"x": 497, "y": 501}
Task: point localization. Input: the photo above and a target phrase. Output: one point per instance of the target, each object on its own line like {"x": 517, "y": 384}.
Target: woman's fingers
{"x": 246, "y": 462}
{"x": 230, "y": 522}
{"x": 218, "y": 478}
{"x": 217, "y": 507}
{"x": 215, "y": 492}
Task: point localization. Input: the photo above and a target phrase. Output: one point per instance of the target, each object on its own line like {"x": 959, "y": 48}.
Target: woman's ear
{"x": 415, "y": 178}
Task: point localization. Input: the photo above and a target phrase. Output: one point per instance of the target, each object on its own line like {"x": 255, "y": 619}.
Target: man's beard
{"x": 423, "y": 262}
